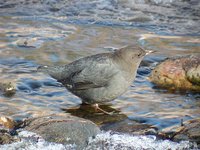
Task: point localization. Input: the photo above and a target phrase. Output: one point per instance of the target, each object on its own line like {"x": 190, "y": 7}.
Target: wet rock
{"x": 7, "y": 131}
{"x": 99, "y": 118}
{"x": 6, "y": 122}
{"x": 182, "y": 73}
{"x": 139, "y": 17}
{"x": 28, "y": 43}
{"x": 63, "y": 129}
{"x": 131, "y": 127}
{"x": 7, "y": 89}
{"x": 189, "y": 131}
{"x": 193, "y": 74}
{"x": 117, "y": 122}
{"x": 7, "y": 138}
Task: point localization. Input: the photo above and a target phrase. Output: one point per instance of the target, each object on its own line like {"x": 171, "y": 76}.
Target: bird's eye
{"x": 136, "y": 55}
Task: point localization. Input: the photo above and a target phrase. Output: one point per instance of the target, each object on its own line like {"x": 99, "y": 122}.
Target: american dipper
{"x": 99, "y": 78}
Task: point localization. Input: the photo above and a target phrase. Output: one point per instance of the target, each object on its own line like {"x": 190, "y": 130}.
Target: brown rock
{"x": 7, "y": 122}
{"x": 181, "y": 73}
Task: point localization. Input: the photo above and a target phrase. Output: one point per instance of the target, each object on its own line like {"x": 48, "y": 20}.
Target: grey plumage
{"x": 99, "y": 78}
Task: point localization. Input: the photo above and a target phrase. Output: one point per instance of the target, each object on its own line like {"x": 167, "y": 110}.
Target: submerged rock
{"x": 99, "y": 118}
{"x": 7, "y": 89}
{"x": 182, "y": 73}
{"x": 131, "y": 127}
{"x": 63, "y": 129}
{"x": 117, "y": 122}
{"x": 29, "y": 43}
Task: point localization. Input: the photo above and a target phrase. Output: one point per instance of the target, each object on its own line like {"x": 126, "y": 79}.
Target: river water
{"x": 51, "y": 32}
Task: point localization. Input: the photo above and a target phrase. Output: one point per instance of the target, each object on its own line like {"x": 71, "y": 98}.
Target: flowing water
{"x": 54, "y": 32}
{"x": 103, "y": 141}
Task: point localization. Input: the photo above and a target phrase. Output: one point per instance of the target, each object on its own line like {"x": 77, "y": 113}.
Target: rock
{"x": 7, "y": 89}
{"x": 138, "y": 17}
{"x": 6, "y": 122}
{"x": 193, "y": 75}
{"x": 7, "y": 132}
{"x": 182, "y": 73}
{"x": 188, "y": 131}
{"x": 28, "y": 43}
{"x": 117, "y": 122}
{"x": 63, "y": 129}
{"x": 131, "y": 127}
{"x": 88, "y": 112}
{"x": 7, "y": 138}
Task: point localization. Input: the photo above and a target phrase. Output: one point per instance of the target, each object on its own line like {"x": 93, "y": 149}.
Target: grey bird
{"x": 99, "y": 78}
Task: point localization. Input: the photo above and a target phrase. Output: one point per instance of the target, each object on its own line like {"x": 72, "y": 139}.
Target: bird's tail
{"x": 53, "y": 71}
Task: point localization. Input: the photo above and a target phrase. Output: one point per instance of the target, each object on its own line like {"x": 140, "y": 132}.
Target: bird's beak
{"x": 149, "y": 51}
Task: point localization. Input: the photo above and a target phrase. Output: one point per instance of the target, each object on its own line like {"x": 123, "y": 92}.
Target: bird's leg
{"x": 96, "y": 107}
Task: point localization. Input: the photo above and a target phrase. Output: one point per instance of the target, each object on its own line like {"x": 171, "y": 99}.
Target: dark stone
{"x": 6, "y": 137}
{"x": 7, "y": 130}
{"x": 7, "y": 89}
{"x": 63, "y": 129}
{"x": 99, "y": 118}
{"x": 117, "y": 122}
{"x": 190, "y": 131}
{"x": 130, "y": 127}
{"x": 53, "y": 9}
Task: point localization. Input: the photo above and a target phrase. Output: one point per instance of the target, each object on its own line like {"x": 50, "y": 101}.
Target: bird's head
{"x": 130, "y": 56}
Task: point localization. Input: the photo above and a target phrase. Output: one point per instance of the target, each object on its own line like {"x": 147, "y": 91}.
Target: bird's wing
{"x": 93, "y": 74}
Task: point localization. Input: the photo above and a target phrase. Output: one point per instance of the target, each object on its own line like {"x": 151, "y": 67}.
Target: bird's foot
{"x": 96, "y": 107}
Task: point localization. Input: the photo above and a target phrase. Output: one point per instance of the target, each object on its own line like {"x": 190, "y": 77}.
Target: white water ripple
{"x": 103, "y": 141}
{"x": 108, "y": 140}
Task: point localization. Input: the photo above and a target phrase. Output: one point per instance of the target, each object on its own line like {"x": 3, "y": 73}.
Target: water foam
{"x": 108, "y": 140}
{"x": 103, "y": 141}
